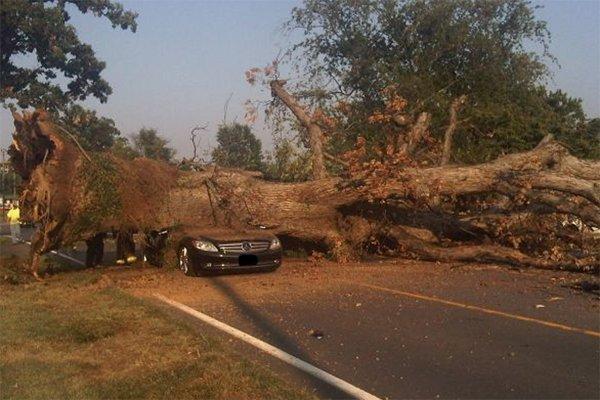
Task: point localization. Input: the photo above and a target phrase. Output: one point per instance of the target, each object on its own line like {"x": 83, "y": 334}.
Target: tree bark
{"x": 336, "y": 215}
{"x": 475, "y": 253}
{"x": 315, "y": 134}
{"x": 449, "y": 134}
{"x": 414, "y": 135}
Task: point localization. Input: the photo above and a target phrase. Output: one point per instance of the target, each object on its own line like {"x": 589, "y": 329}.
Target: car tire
{"x": 184, "y": 261}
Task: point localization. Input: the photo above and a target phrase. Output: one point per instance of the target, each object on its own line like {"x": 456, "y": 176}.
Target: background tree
{"x": 39, "y": 30}
{"x": 431, "y": 53}
{"x": 589, "y": 145}
{"x": 287, "y": 163}
{"x": 148, "y": 143}
{"x": 10, "y": 181}
{"x": 567, "y": 121}
{"x": 93, "y": 133}
{"x": 237, "y": 147}
{"x": 122, "y": 148}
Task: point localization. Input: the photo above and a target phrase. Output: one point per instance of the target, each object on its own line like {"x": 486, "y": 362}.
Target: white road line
{"x": 56, "y": 252}
{"x": 274, "y": 351}
{"x": 67, "y": 257}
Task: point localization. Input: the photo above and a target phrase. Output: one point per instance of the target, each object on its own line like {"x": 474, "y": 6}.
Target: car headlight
{"x": 275, "y": 244}
{"x": 205, "y": 245}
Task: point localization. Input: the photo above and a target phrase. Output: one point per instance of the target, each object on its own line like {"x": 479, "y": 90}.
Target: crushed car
{"x": 224, "y": 250}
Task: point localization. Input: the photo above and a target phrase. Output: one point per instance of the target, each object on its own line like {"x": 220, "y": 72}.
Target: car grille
{"x": 238, "y": 247}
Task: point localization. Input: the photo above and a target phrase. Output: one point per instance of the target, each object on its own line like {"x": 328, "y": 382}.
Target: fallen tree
{"x": 511, "y": 210}
{"x": 72, "y": 194}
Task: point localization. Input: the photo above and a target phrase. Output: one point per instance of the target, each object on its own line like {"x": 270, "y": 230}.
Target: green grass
{"x": 72, "y": 337}
{"x": 14, "y": 271}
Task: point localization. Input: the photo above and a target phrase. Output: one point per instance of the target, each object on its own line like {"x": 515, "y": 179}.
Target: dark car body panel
{"x": 243, "y": 253}
{"x": 220, "y": 261}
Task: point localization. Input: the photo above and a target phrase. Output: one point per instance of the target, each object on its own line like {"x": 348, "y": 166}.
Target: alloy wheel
{"x": 184, "y": 260}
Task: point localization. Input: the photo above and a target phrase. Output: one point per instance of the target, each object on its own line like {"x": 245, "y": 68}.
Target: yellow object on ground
{"x": 14, "y": 216}
{"x": 131, "y": 259}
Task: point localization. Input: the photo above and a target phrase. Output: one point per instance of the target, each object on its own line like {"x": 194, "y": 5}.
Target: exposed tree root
{"x": 511, "y": 214}
{"x": 483, "y": 254}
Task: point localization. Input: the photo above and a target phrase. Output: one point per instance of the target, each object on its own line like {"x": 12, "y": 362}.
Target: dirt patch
{"x": 298, "y": 279}
{"x": 79, "y": 336}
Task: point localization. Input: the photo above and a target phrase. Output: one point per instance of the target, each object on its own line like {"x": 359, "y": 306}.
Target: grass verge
{"x": 72, "y": 336}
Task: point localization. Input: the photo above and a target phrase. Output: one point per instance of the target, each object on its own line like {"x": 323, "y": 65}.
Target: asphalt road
{"x": 412, "y": 330}
{"x": 76, "y": 251}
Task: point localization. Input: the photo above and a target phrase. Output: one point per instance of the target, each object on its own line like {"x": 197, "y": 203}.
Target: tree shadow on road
{"x": 277, "y": 338}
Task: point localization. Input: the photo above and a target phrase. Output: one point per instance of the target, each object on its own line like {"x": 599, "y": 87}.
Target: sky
{"x": 187, "y": 57}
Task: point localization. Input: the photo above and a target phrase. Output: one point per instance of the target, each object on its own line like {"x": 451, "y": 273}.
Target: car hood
{"x": 226, "y": 235}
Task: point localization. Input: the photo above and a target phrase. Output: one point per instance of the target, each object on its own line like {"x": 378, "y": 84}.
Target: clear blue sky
{"x": 186, "y": 58}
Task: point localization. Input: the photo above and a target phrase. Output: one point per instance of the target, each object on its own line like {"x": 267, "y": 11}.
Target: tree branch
{"x": 449, "y": 134}
{"x": 335, "y": 159}
{"x": 315, "y": 134}
{"x": 408, "y": 143}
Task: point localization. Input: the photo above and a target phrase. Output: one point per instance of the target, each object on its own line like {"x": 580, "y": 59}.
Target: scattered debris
{"x": 316, "y": 333}
{"x": 586, "y": 286}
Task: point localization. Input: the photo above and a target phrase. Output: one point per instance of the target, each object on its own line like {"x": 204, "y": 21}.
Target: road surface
{"x": 402, "y": 331}
{"x": 406, "y": 329}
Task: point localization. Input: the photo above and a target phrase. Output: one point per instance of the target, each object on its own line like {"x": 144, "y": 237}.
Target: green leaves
{"x": 149, "y": 144}
{"x": 101, "y": 197}
{"x": 94, "y": 133}
{"x": 287, "y": 163}
{"x": 432, "y": 52}
{"x": 39, "y": 46}
{"x": 237, "y": 147}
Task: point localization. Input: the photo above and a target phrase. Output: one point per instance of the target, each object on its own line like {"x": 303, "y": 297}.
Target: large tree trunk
{"x": 315, "y": 134}
{"x": 345, "y": 217}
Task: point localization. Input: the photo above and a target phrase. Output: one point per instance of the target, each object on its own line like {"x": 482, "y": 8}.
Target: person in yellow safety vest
{"x": 14, "y": 220}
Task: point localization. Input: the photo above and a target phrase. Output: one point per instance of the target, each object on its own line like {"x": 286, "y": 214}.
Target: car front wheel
{"x": 185, "y": 263}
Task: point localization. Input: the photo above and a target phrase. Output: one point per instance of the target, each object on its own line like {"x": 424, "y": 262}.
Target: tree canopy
{"x": 40, "y": 49}
{"x": 237, "y": 147}
{"x": 566, "y": 120}
{"x": 428, "y": 52}
{"x": 287, "y": 162}
{"x": 93, "y": 132}
{"x": 148, "y": 143}
{"x": 122, "y": 148}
